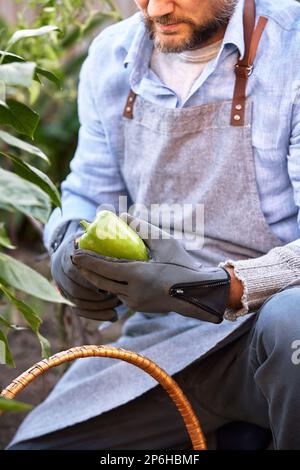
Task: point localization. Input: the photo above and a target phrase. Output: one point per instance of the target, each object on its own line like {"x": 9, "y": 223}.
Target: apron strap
{"x": 128, "y": 110}
{"x": 244, "y": 67}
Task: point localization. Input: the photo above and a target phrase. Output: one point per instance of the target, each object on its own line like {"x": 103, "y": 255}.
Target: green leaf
{"x": 50, "y": 76}
{"x": 17, "y": 194}
{"x": 20, "y": 117}
{"x": 29, "y": 33}
{"x": 21, "y": 277}
{"x": 4, "y": 240}
{"x": 18, "y": 74}
{"x": 9, "y": 57}
{"x": 35, "y": 176}
{"x": 20, "y": 144}
{"x": 5, "y": 354}
{"x": 32, "y": 319}
{"x": 13, "y": 405}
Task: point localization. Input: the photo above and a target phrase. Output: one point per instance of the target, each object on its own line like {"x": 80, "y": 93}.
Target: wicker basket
{"x": 174, "y": 391}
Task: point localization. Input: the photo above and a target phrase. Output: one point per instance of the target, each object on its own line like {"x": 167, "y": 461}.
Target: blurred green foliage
{"x": 63, "y": 53}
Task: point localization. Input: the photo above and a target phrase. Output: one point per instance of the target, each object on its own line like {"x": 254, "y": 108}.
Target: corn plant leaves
{"x": 35, "y": 176}
{"x": 17, "y": 115}
{"x": 18, "y": 74}
{"x": 32, "y": 319}
{"x": 13, "y": 405}
{"x": 16, "y": 194}
{"x": 4, "y": 240}
{"x": 23, "y": 278}
{"x": 22, "y": 145}
{"x": 5, "y": 353}
{"x": 30, "y": 33}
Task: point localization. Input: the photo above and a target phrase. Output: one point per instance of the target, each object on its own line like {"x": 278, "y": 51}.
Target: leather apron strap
{"x": 128, "y": 110}
{"x": 243, "y": 68}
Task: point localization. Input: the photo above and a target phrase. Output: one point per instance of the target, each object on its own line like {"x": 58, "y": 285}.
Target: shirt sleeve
{"x": 293, "y": 159}
{"x": 95, "y": 177}
{"x": 266, "y": 275}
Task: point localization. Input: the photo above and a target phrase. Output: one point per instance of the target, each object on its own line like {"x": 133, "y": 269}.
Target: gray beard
{"x": 200, "y": 34}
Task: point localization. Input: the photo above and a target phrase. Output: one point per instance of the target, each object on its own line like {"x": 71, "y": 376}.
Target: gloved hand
{"x": 90, "y": 301}
{"x": 170, "y": 281}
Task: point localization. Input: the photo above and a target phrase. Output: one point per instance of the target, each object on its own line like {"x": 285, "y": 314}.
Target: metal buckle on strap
{"x": 244, "y": 71}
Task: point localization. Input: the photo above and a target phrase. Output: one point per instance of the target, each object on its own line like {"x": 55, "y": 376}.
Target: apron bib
{"x": 194, "y": 156}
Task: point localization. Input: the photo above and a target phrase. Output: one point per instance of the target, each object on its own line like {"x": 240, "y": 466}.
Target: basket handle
{"x": 166, "y": 381}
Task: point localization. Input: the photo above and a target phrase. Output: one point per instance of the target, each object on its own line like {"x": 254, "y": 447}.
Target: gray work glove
{"x": 90, "y": 301}
{"x": 170, "y": 281}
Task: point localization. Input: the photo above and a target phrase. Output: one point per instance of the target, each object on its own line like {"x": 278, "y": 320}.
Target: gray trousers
{"x": 255, "y": 379}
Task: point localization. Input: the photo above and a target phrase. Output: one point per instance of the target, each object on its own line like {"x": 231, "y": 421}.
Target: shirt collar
{"x": 235, "y": 29}
{"x": 141, "y": 45}
{"x": 138, "y": 42}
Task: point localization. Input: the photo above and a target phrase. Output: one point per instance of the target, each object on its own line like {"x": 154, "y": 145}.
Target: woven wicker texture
{"x": 170, "y": 386}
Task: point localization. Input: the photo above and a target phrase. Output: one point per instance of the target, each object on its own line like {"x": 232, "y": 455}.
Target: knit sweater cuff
{"x": 264, "y": 276}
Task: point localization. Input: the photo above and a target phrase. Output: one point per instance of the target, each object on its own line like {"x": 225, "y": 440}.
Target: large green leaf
{"x": 35, "y": 176}
{"x": 18, "y": 74}
{"x": 31, "y": 317}
{"x": 20, "y": 117}
{"x": 4, "y": 240}
{"x": 21, "y": 145}
{"x": 13, "y": 405}
{"x": 5, "y": 354}
{"x": 29, "y": 33}
{"x": 21, "y": 277}
{"x": 16, "y": 194}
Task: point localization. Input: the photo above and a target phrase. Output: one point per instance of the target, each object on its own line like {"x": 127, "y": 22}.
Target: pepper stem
{"x": 84, "y": 224}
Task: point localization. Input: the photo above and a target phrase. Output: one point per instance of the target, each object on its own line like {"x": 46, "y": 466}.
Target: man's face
{"x": 176, "y": 26}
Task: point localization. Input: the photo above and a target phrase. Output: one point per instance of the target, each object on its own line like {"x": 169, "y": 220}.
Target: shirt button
{"x": 237, "y": 117}
{"x": 239, "y": 107}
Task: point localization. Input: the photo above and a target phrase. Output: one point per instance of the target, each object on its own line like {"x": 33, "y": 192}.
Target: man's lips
{"x": 168, "y": 27}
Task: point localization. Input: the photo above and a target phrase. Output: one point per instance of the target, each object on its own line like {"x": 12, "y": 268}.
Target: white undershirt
{"x": 179, "y": 71}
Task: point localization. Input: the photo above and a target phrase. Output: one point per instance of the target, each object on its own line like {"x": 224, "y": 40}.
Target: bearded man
{"x": 187, "y": 103}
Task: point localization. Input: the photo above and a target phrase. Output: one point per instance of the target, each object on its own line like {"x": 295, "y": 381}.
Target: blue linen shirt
{"x": 119, "y": 59}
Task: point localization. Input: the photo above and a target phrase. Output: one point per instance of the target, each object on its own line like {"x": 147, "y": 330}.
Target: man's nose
{"x": 160, "y": 7}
